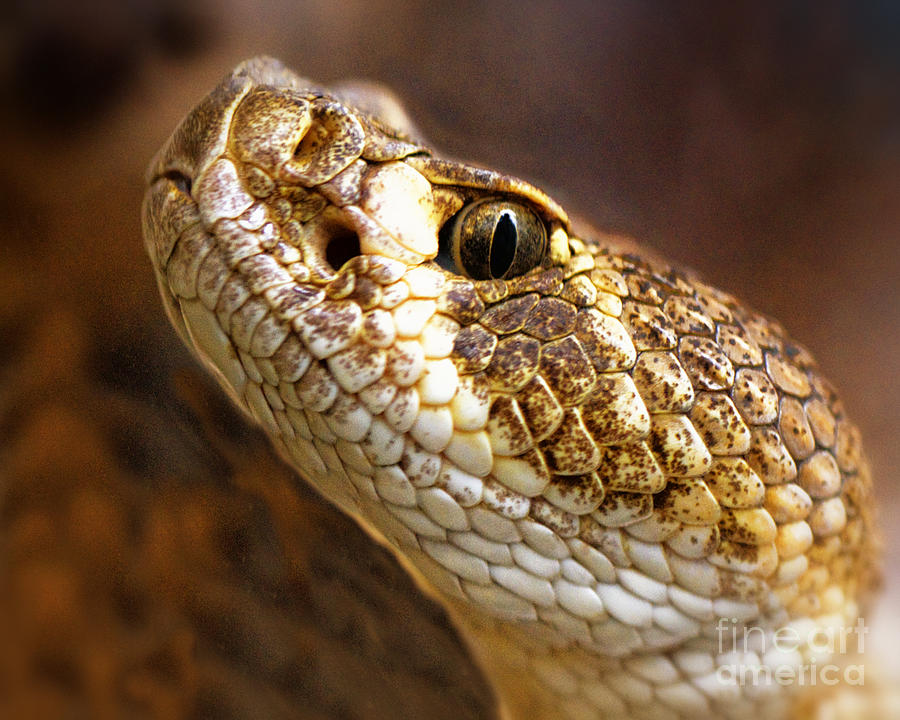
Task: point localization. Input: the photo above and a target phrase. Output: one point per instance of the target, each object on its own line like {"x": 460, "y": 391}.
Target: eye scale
{"x": 588, "y": 456}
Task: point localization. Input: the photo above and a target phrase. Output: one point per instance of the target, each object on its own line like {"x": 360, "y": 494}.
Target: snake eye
{"x": 492, "y": 239}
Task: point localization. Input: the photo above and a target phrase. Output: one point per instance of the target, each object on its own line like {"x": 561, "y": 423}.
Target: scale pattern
{"x": 594, "y": 463}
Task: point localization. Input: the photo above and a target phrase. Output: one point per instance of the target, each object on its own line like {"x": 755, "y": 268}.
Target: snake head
{"x": 275, "y": 188}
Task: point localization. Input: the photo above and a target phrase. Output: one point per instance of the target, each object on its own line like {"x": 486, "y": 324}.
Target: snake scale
{"x": 595, "y": 462}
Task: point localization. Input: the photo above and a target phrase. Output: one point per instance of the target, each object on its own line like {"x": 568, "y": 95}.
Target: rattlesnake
{"x": 625, "y": 486}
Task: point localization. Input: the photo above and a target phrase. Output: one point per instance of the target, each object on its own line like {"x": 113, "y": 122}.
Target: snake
{"x": 622, "y": 484}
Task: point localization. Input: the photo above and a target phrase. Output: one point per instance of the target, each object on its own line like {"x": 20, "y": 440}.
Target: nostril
{"x": 181, "y": 181}
{"x": 342, "y": 246}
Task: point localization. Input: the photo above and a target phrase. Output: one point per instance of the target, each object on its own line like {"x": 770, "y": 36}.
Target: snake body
{"x": 597, "y": 463}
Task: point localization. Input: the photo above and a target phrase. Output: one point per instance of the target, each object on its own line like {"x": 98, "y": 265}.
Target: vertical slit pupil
{"x": 503, "y": 245}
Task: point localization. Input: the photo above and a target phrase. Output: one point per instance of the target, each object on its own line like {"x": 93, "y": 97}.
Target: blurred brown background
{"x": 155, "y": 560}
